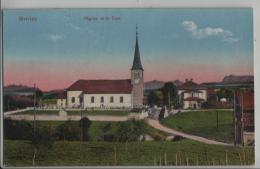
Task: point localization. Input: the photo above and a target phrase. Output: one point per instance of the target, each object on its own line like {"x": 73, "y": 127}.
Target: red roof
{"x": 102, "y": 86}
{"x": 193, "y": 99}
{"x": 190, "y": 85}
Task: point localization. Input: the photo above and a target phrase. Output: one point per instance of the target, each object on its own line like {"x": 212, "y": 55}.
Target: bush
{"x": 131, "y": 130}
{"x": 84, "y": 124}
{"x": 17, "y": 129}
{"x": 68, "y": 131}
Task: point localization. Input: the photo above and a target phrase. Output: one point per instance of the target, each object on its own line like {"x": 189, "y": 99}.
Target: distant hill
{"x": 238, "y": 79}
{"x": 18, "y": 90}
{"x": 177, "y": 83}
{"x": 153, "y": 85}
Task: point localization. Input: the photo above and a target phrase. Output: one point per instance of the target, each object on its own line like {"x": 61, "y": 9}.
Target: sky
{"x": 54, "y": 48}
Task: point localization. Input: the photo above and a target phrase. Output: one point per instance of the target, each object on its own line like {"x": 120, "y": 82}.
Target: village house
{"x": 118, "y": 93}
{"x": 191, "y": 95}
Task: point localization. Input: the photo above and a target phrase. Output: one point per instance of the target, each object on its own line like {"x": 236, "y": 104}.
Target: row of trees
{"x": 167, "y": 95}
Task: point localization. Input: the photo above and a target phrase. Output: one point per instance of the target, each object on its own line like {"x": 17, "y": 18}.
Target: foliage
{"x": 17, "y": 129}
{"x": 64, "y": 153}
{"x": 43, "y": 137}
{"x": 84, "y": 124}
{"x": 225, "y": 93}
{"x": 170, "y": 94}
{"x": 204, "y": 123}
{"x": 68, "y": 131}
{"x": 131, "y": 130}
{"x": 153, "y": 98}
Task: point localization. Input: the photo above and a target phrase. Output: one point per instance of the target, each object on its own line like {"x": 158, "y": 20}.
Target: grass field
{"x": 84, "y": 112}
{"x": 204, "y": 123}
{"x": 96, "y": 133}
{"x": 39, "y": 112}
{"x": 183, "y": 152}
{"x": 97, "y": 112}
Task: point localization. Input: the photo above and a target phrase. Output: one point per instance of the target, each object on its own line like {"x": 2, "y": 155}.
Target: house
{"x": 191, "y": 95}
{"x": 115, "y": 93}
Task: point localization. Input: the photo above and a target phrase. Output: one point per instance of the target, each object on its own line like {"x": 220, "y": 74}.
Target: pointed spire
{"x": 137, "y": 65}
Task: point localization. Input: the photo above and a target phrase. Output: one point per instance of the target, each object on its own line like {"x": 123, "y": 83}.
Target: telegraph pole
{"x": 34, "y": 111}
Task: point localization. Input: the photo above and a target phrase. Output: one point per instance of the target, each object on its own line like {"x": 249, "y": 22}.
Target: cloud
{"x": 56, "y": 37}
{"x": 199, "y": 33}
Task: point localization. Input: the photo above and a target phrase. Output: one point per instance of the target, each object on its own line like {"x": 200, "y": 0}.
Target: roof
{"x": 190, "y": 85}
{"x": 102, "y": 86}
{"x": 137, "y": 65}
{"x": 193, "y": 99}
{"x": 192, "y": 91}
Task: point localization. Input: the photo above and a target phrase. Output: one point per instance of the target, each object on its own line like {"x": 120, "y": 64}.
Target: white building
{"x": 122, "y": 93}
{"x": 191, "y": 95}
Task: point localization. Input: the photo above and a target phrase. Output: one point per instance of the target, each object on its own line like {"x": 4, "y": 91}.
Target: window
{"x": 102, "y": 99}
{"x": 111, "y": 99}
{"x": 121, "y": 99}
{"x": 73, "y": 99}
{"x": 92, "y": 99}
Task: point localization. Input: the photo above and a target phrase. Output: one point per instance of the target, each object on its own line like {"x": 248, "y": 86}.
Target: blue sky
{"x": 173, "y": 42}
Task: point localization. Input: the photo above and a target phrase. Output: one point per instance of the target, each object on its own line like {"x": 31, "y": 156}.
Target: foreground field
{"x": 204, "y": 123}
{"x": 183, "y": 152}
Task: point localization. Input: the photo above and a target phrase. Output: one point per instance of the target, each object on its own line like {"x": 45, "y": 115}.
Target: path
{"x": 157, "y": 125}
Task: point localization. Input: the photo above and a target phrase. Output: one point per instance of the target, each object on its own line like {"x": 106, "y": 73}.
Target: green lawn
{"x": 76, "y": 112}
{"x": 204, "y": 123}
{"x": 97, "y": 112}
{"x": 64, "y": 153}
{"x": 39, "y": 112}
{"x": 96, "y": 133}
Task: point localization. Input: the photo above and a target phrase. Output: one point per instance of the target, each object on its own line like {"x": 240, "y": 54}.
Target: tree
{"x": 170, "y": 95}
{"x": 153, "y": 98}
{"x": 131, "y": 130}
{"x": 68, "y": 131}
{"x": 42, "y": 140}
{"x": 84, "y": 124}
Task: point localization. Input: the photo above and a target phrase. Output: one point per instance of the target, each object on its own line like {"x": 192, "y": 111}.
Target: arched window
{"x": 121, "y": 99}
{"x": 92, "y": 99}
{"x": 102, "y": 99}
{"x": 111, "y": 99}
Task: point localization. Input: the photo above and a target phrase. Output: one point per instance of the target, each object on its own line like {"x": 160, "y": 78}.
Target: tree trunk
{"x": 34, "y": 156}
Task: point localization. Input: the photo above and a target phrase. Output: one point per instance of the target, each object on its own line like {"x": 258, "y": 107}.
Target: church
{"x": 118, "y": 93}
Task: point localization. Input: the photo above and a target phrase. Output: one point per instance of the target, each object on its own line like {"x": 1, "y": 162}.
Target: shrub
{"x": 68, "y": 131}
{"x": 17, "y": 129}
{"x": 131, "y": 130}
{"x": 84, "y": 124}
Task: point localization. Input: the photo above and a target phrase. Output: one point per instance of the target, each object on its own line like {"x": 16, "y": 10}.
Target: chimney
{"x": 191, "y": 79}
{"x": 186, "y": 80}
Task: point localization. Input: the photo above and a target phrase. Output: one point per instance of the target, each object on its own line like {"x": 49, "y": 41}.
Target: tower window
{"x": 73, "y": 100}
{"x": 102, "y": 99}
{"x": 92, "y": 99}
{"x": 111, "y": 99}
{"x": 121, "y": 99}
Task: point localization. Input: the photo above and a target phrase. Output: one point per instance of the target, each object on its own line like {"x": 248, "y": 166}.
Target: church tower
{"x": 137, "y": 78}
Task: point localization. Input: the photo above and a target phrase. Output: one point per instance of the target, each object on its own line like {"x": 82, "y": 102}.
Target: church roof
{"x": 102, "y": 86}
{"x": 137, "y": 65}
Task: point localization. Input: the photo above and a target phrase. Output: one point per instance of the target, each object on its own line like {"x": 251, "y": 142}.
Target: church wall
{"x": 107, "y": 103}
{"x": 76, "y": 95}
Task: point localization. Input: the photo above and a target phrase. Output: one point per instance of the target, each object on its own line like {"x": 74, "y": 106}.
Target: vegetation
{"x": 170, "y": 95}
{"x": 183, "y": 152}
{"x": 39, "y": 112}
{"x": 214, "y": 124}
{"x": 97, "y": 112}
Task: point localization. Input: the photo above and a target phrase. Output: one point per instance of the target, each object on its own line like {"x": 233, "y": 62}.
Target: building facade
{"x": 119, "y": 93}
{"x": 191, "y": 95}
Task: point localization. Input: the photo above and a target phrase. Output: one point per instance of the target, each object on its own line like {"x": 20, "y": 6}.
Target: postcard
{"x": 128, "y": 87}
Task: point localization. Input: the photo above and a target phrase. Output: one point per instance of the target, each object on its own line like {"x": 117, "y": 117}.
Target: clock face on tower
{"x": 136, "y": 77}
